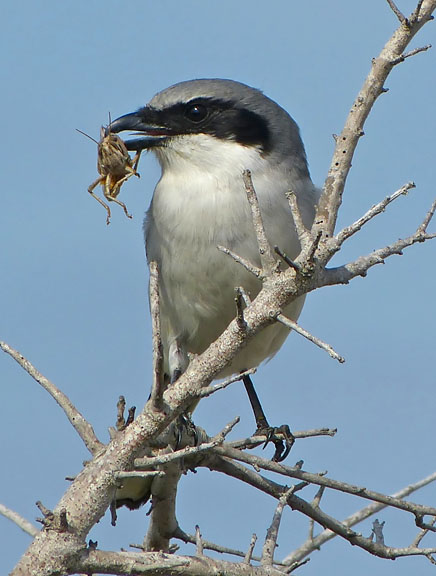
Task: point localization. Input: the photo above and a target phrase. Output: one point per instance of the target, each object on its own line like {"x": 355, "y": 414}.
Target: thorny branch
{"x": 63, "y": 549}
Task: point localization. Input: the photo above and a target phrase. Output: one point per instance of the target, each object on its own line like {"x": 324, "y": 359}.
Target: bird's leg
{"x": 283, "y": 447}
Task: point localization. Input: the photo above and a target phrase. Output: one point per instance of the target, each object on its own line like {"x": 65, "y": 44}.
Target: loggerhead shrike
{"x": 205, "y": 133}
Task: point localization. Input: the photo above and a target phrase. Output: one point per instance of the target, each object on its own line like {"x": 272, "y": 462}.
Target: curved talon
{"x": 282, "y": 445}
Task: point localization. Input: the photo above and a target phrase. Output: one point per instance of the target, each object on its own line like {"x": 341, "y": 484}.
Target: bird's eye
{"x": 196, "y": 112}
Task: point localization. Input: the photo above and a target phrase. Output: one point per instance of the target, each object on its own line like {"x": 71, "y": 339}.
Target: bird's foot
{"x": 185, "y": 425}
{"x": 280, "y": 436}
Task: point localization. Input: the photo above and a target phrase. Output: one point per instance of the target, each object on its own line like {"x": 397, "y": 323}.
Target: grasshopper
{"x": 115, "y": 167}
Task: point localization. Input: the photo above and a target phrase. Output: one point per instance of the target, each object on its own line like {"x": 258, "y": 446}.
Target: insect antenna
{"x": 87, "y": 135}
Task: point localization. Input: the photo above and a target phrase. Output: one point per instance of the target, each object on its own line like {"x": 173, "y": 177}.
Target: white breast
{"x": 199, "y": 203}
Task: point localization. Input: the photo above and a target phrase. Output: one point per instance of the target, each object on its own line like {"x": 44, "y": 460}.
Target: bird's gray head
{"x": 214, "y": 110}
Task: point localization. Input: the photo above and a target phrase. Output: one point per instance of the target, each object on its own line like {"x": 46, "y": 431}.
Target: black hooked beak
{"x": 151, "y": 133}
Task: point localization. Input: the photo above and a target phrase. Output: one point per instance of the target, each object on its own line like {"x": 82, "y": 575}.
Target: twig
{"x": 315, "y": 502}
{"x": 347, "y": 232}
{"x": 422, "y": 229}
{"x": 53, "y": 520}
{"x": 422, "y": 533}
{"x": 360, "y": 266}
{"x": 266, "y": 255}
{"x": 82, "y": 427}
{"x": 377, "y": 531}
{"x": 198, "y": 541}
{"x": 130, "y": 415}
{"x": 242, "y": 324}
{"x": 286, "y": 259}
{"x": 311, "y": 250}
{"x": 208, "y": 390}
{"x": 310, "y": 545}
{"x": 156, "y": 389}
{"x": 416, "y": 12}
{"x": 297, "y": 328}
{"x": 207, "y": 545}
{"x": 249, "y": 555}
{"x": 322, "y": 480}
{"x": 17, "y": 519}
{"x": 296, "y": 565}
{"x": 245, "y": 296}
{"x": 242, "y": 261}
{"x": 397, "y": 11}
{"x": 411, "y": 53}
{"x": 121, "y": 406}
{"x": 302, "y": 232}
{"x": 127, "y": 474}
{"x": 273, "y": 531}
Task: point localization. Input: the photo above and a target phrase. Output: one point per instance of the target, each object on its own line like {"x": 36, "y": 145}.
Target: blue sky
{"x": 73, "y": 291}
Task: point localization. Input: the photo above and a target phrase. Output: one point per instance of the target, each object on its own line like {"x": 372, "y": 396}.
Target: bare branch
{"x": 297, "y": 328}
{"x": 347, "y": 232}
{"x": 245, "y": 263}
{"x": 397, "y": 11}
{"x": 207, "y": 545}
{"x": 377, "y": 531}
{"x": 422, "y": 533}
{"x": 296, "y": 565}
{"x": 17, "y": 519}
{"x": 302, "y": 232}
{"x": 267, "y": 259}
{"x": 422, "y": 229}
{"x": 331, "y": 524}
{"x": 157, "y": 384}
{"x": 123, "y": 475}
{"x": 273, "y": 531}
{"x": 286, "y": 259}
{"x": 322, "y": 480}
{"x": 198, "y": 541}
{"x": 360, "y": 266}
{"x": 417, "y": 11}
{"x": 121, "y": 406}
{"x": 315, "y": 502}
{"x": 208, "y": 390}
{"x": 82, "y": 427}
{"x": 161, "y": 564}
{"x": 314, "y": 544}
{"x": 373, "y": 86}
{"x": 240, "y": 310}
{"x": 411, "y": 53}
{"x": 249, "y": 555}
